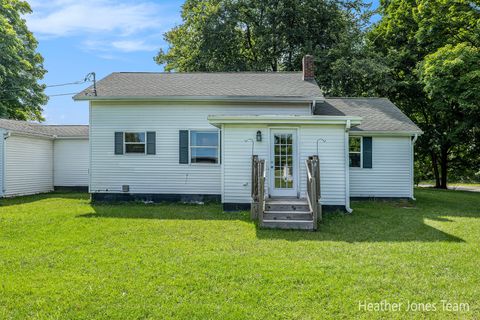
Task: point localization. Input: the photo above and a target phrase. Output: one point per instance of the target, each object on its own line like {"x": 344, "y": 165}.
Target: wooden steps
{"x": 287, "y": 213}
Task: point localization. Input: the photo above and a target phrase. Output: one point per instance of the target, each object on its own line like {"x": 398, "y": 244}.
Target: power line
{"x": 50, "y": 96}
{"x": 88, "y": 78}
{"x": 66, "y": 84}
{"x": 62, "y": 94}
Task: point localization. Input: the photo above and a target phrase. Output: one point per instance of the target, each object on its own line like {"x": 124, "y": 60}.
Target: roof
{"x": 51, "y": 131}
{"x": 142, "y": 85}
{"x": 378, "y": 114}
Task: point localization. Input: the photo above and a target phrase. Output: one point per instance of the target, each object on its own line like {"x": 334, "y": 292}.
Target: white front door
{"x": 283, "y": 163}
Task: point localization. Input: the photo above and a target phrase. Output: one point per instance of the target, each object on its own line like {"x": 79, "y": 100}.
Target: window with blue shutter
{"x": 151, "y": 142}
{"x": 118, "y": 143}
{"x": 367, "y": 152}
{"x": 183, "y": 147}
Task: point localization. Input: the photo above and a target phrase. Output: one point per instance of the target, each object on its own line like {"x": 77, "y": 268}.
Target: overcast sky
{"x": 77, "y": 37}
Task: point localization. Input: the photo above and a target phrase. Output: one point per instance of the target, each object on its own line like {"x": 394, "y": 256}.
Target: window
{"x": 134, "y": 142}
{"x": 204, "y": 146}
{"x": 355, "y": 152}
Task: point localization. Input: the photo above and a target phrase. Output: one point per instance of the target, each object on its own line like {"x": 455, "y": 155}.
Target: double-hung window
{"x": 204, "y": 146}
{"x": 134, "y": 142}
{"x": 355, "y": 152}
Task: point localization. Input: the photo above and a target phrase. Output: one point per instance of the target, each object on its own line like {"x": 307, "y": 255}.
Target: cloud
{"x": 133, "y": 45}
{"x": 104, "y": 25}
{"x": 66, "y": 17}
{"x": 126, "y": 45}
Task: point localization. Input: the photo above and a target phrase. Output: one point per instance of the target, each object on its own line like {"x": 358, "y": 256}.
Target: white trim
{"x": 125, "y": 144}
{"x": 219, "y": 149}
{"x": 90, "y": 146}
{"x": 71, "y": 137}
{"x": 31, "y": 135}
{"x": 347, "y": 168}
{"x": 385, "y": 133}
{"x": 295, "y": 164}
{"x": 222, "y": 162}
{"x": 361, "y": 152}
{"x": 412, "y": 168}
{"x": 286, "y": 99}
{"x": 282, "y": 119}
{"x": 5, "y": 135}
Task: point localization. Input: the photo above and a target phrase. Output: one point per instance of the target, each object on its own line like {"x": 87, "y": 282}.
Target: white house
{"x": 191, "y": 136}
{"x": 36, "y": 158}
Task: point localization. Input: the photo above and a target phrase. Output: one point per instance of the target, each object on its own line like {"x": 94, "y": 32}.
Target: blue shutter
{"x": 118, "y": 142}
{"x": 151, "y": 142}
{"x": 183, "y": 147}
{"x": 367, "y": 152}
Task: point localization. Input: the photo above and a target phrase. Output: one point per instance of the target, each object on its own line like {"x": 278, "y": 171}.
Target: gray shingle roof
{"x": 378, "y": 114}
{"x": 44, "y": 130}
{"x": 219, "y": 84}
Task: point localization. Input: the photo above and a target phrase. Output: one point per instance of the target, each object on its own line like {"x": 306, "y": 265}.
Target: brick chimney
{"x": 308, "y": 67}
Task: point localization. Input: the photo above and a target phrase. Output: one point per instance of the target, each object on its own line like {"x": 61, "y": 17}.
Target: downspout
{"x": 6, "y": 135}
{"x": 412, "y": 170}
{"x": 347, "y": 169}
{"x": 314, "y": 104}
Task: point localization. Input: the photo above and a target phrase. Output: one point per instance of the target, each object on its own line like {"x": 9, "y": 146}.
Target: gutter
{"x": 282, "y": 119}
{"x": 198, "y": 98}
{"x": 385, "y": 133}
{"x": 348, "y": 125}
{"x": 6, "y": 135}
{"x": 32, "y": 135}
{"x": 412, "y": 170}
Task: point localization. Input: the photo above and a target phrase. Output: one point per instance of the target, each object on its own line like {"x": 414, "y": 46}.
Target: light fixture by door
{"x": 259, "y": 136}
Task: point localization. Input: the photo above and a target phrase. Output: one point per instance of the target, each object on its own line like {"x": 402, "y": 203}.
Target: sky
{"x": 102, "y": 36}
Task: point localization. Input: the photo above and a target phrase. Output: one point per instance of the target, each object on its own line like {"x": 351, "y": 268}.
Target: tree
{"x": 274, "y": 35}
{"x": 451, "y": 79}
{"x": 21, "y": 97}
{"x": 414, "y": 36}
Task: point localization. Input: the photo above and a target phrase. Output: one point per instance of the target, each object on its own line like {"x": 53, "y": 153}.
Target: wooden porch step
{"x": 288, "y": 224}
{"x": 287, "y": 215}
{"x": 286, "y": 204}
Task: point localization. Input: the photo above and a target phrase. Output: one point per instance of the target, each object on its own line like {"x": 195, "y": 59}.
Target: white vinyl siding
{"x": 237, "y": 160}
{"x": 390, "y": 172}
{"x": 160, "y": 173}
{"x": 71, "y": 162}
{"x": 28, "y": 165}
{"x": 2, "y": 160}
{"x": 331, "y": 154}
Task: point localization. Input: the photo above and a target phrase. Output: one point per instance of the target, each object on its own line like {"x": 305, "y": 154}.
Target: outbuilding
{"x": 36, "y": 158}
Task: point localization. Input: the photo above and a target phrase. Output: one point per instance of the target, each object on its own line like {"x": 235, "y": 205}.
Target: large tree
{"x": 274, "y": 35}
{"x": 430, "y": 48}
{"x": 21, "y": 66}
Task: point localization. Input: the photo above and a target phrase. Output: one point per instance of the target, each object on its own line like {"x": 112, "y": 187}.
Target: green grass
{"x": 63, "y": 258}
{"x": 454, "y": 184}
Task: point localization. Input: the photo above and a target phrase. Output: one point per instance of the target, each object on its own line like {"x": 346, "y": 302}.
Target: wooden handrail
{"x": 312, "y": 165}
{"x": 258, "y": 188}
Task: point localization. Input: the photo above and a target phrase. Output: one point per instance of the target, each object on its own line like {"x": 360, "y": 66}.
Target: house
{"x": 192, "y": 136}
{"x": 37, "y": 158}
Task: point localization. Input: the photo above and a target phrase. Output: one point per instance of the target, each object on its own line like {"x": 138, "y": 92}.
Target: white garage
{"x": 37, "y": 158}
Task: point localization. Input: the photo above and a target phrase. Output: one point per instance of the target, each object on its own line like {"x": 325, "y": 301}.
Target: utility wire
{"x": 86, "y": 79}
{"x": 50, "y": 96}
{"x": 66, "y": 84}
{"x": 62, "y": 94}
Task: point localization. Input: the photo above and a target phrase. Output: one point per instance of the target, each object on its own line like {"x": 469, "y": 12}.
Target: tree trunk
{"x": 435, "y": 169}
{"x": 444, "y": 168}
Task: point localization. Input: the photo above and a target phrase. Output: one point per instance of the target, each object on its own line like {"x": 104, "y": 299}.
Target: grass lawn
{"x": 63, "y": 258}
{"x": 454, "y": 184}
